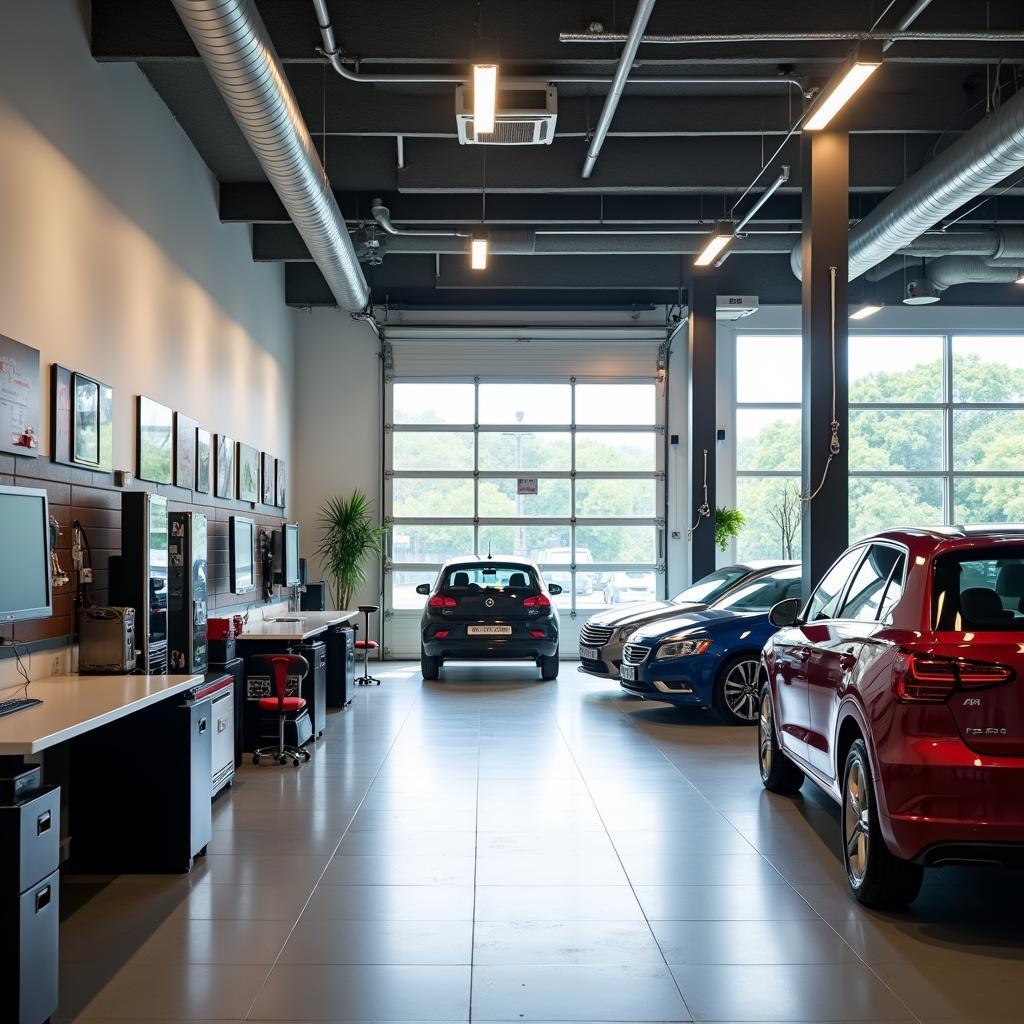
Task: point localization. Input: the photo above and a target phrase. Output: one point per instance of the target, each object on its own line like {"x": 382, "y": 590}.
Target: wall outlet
{"x": 57, "y": 665}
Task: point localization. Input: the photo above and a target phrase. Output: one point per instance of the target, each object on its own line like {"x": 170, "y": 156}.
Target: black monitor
{"x": 290, "y": 555}
{"x": 24, "y": 555}
{"x": 243, "y": 555}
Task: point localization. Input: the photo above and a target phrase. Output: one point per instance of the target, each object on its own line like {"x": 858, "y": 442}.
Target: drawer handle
{"x": 43, "y": 898}
{"x": 43, "y": 823}
{"x": 202, "y": 726}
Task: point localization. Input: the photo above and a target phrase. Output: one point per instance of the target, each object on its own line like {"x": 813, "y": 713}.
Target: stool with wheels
{"x": 366, "y": 646}
{"x": 280, "y": 666}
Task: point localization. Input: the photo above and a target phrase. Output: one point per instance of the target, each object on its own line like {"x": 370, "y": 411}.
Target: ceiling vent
{"x": 525, "y": 116}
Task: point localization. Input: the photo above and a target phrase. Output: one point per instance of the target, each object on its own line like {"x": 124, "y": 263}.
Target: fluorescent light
{"x": 719, "y": 239}
{"x": 866, "y": 62}
{"x": 485, "y": 94}
{"x": 478, "y": 253}
{"x": 1020, "y": 280}
{"x": 868, "y": 309}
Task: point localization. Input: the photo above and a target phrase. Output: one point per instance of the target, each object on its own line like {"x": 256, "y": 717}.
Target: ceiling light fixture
{"x": 716, "y": 244}
{"x": 868, "y": 309}
{"x": 478, "y": 250}
{"x": 485, "y": 85}
{"x": 866, "y": 61}
{"x": 1020, "y": 280}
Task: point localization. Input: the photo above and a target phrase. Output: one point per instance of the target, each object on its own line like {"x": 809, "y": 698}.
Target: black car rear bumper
{"x": 480, "y": 647}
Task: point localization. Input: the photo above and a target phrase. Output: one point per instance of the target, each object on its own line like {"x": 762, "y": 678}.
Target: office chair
{"x": 280, "y": 666}
{"x": 366, "y": 646}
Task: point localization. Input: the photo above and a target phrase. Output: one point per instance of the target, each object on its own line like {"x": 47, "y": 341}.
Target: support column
{"x": 703, "y": 421}
{"x": 825, "y": 526}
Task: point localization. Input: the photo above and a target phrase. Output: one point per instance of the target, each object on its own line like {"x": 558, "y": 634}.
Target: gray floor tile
{"x": 318, "y": 940}
{"x": 564, "y": 942}
{"x": 557, "y": 903}
{"x": 391, "y": 903}
{"x": 751, "y": 942}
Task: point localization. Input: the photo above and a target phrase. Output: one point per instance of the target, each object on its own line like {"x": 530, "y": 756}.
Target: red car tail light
{"x": 537, "y": 634}
{"x": 440, "y": 634}
{"x": 440, "y": 601}
{"x": 537, "y": 601}
{"x": 928, "y": 679}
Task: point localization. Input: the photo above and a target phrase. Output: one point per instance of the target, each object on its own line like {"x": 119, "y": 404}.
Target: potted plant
{"x": 728, "y": 523}
{"x": 349, "y": 537}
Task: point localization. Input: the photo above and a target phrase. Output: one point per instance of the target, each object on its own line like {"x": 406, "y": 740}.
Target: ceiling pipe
{"x": 333, "y": 53}
{"x": 762, "y": 199}
{"x": 978, "y": 161}
{"x": 823, "y": 36}
{"x": 907, "y": 20}
{"x": 953, "y": 270}
{"x": 382, "y": 215}
{"x": 611, "y": 101}
{"x": 236, "y": 48}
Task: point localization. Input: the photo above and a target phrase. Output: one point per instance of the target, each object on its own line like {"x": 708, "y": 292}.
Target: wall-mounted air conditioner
{"x": 735, "y": 307}
{"x": 525, "y": 115}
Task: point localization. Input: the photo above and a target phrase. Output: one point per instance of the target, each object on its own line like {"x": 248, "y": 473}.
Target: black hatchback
{"x": 480, "y": 608}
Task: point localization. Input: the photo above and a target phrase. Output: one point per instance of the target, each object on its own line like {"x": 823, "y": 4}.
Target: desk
{"x": 298, "y": 627}
{"x": 75, "y": 705}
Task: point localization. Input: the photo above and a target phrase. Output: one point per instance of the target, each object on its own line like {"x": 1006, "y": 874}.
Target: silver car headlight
{"x": 682, "y": 649}
{"x": 624, "y": 634}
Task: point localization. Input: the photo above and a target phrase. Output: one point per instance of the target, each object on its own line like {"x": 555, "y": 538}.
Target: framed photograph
{"x": 60, "y": 414}
{"x": 248, "y": 473}
{"x": 19, "y": 398}
{"x": 106, "y": 428}
{"x": 224, "y": 467}
{"x": 202, "y": 460}
{"x": 267, "y": 478}
{"x": 185, "y": 450}
{"x": 279, "y": 488}
{"x": 85, "y": 432}
{"x": 155, "y": 441}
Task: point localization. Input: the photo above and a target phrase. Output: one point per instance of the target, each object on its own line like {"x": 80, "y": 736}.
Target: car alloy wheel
{"x": 764, "y": 735}
{"x": 857, "y": 822}
{"x": 739, "y": 690}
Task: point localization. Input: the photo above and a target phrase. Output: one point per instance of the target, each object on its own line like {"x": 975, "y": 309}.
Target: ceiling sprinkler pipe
{"x": 823, "y": 36}
{"x": 382, "y": 215}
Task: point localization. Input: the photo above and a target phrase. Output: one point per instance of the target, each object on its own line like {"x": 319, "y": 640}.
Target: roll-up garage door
{"x": 547, "y": 444}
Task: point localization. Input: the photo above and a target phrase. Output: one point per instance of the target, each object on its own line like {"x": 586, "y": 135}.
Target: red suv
{"x": 897, "y": 690}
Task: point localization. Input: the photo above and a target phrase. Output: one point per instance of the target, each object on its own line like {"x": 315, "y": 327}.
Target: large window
{"x": 935, "y": 433}
{"x": 568, "y": 474}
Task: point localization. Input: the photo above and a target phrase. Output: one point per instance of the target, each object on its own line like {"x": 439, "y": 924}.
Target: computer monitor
{"x": 243, "y": 555}
{"x": 24, "y": 555}
{"x": 290, "y": 555}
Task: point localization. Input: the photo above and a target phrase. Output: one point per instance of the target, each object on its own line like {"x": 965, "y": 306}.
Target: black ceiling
{"x": 675, "y": 154}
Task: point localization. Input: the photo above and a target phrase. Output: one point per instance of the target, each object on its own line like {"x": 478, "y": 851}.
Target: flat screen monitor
{"x": 290, "y": 551}
{"x": 243, "y": 555}
{"x": 24, "y": 555}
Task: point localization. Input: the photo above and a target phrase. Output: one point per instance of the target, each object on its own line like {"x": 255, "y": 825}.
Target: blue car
{"x": 709, "y": 658}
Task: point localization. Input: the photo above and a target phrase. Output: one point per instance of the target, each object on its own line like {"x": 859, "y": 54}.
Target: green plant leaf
{"x": 349, "y": 537}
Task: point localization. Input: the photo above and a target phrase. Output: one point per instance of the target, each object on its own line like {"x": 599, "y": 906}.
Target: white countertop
{"x": 73, "y": 705}
{"x": 295, "y": 626}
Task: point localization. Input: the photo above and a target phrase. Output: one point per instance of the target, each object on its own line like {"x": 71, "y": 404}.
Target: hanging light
{"x": 485, "y": 85}
{"x": 866, "y": 310}
{"x": 716, "y": 244}
{"x": 866, "y": 61}
{"x": 478, "y": 249}
{"x": 1020, "y": 280}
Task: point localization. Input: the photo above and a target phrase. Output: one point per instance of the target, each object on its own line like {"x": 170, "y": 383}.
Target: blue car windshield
{"x": 706, "y": 589}
{"x": 761, "y": 594}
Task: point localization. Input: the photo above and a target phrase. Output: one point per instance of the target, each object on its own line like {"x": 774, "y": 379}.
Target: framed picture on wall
{"x": 224, "y": 467}
{"x": 60, "y": 414}
{"x": 248, "y": 473}
{"x": 202, "y": 460}
{"x": 155, "y": 441}
{"x": 106, "y": 428}
{"x": 19, "y": 398}
{"x": 185, "y": 450}
{"x": 279, "y": 486}
{"x": 267, "y": 478}
{"x": 85, "y": 433}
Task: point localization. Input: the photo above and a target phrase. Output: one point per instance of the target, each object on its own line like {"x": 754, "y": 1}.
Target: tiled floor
{"x": 494, "y": 848}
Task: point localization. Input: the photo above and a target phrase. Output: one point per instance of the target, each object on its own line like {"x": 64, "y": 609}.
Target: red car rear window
{"x": 981, "y": 589}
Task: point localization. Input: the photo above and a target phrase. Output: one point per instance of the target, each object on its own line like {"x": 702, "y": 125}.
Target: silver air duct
{"x": 979, "y": 160}
{"x": 951, "y": 270}
{"x": 236, "y": 47}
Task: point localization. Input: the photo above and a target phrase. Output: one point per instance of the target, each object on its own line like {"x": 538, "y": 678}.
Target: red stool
{"x": 366, "y": 646}
{"x": 280, "y": 666}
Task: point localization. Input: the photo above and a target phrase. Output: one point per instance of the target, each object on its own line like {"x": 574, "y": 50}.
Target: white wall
{"x": 338, "y": 420}
{"x": 112, "y": 258}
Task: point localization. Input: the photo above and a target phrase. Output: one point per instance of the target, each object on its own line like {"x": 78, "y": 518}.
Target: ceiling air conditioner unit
{"x": 525, "y": 115}
{"x": 735, "y": 307}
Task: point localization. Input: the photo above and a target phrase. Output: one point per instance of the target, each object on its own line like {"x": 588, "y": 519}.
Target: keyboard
{"x": 8, "y": 707}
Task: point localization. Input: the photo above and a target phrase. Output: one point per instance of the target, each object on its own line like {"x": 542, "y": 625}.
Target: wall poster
{"x": 19, "y": 398}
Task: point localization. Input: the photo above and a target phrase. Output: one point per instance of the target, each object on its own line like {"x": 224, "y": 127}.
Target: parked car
{"x": 628, "y": 587}
{"x": 563, "y": 556}
{"x": 897, "y": 690}
{"x": 603, "y": 634}
{"x": 709, "y": 657}
{"x": 481, "y": 608}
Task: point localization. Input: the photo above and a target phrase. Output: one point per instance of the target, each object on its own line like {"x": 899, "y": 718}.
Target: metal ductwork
{"x": 982, "y": 158}
{"x": 237, "y": 50}
{"x": 1001, "y": 246}
{"x": 952, "y": 270}
{"x": 382, "y": 215}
